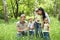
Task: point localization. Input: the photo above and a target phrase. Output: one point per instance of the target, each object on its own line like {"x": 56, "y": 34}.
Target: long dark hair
{"x": 43, "y": 12}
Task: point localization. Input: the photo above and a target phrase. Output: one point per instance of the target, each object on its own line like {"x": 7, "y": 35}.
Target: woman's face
{"x": 31, "y": 20}
{"x": 23, "y": 18}
{"x": 39, "y": 12}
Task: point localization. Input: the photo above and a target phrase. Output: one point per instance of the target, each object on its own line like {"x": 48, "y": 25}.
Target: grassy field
{"x": 8, "y": 30}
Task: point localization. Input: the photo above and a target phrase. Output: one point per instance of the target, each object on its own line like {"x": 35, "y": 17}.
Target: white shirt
{"x": 38, "y": 17}
{"x": 30, "y": 25}
{"x": 45, "y": 27}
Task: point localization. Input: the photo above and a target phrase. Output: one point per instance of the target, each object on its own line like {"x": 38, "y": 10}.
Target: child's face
{"x": 30, "y": 19}
{"x": 46, "y": 20}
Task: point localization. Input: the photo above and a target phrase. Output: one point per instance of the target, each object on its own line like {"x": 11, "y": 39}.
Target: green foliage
{"x": 28, "y": 6}
{"x": 1, "y": 14}
{"x": 1, "y": 3}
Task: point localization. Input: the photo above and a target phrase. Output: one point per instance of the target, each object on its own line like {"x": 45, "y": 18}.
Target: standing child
{"x": 31, "y": 27}
{"x": 46, "y": 29}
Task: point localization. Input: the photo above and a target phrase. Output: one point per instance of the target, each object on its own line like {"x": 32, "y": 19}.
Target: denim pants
{"x": 31, "y": 33}
{"x": 20, "y": 34}
{"x": 38, "y": 29}
{"x": 46, "y": 35}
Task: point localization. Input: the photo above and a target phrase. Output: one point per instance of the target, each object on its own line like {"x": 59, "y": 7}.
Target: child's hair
{"x": 30, "y": 18}
{"x": 45, "y": 19}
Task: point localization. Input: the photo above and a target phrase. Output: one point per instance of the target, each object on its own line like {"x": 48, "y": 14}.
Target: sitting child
{"x": 31, "y": 27}
{"x": 46, "y": 29}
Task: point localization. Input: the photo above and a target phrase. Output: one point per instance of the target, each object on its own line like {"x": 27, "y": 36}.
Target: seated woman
{"x": 22, "y": 26}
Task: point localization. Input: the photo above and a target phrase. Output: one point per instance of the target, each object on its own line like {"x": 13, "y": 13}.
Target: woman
{"x": 40, "y": 16}
{"x": 40, "y": 11}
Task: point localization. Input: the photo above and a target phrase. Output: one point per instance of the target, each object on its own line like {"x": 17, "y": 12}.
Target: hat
{"x": 22, "y": 15}
{"x": 30, "y": 17}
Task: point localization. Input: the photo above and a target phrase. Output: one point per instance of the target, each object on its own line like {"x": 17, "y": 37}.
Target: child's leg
{"x": 46, "y": 36}
{"x": 31, "y": 33}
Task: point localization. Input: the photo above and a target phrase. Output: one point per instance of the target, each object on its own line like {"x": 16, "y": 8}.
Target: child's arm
{"x": 48, "y": 28}
{"x": 33, "y": 26}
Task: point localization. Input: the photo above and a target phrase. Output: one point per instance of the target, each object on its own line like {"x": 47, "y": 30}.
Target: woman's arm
{"x": 47, "y": 17}
{"x": 19, "y": 29}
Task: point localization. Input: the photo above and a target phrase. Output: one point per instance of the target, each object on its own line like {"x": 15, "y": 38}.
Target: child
{"x": 46, "y": 29}
{"x": 31, "y": 27}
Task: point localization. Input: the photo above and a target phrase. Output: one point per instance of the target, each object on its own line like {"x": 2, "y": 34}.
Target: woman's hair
{"x": 43, "y": 12}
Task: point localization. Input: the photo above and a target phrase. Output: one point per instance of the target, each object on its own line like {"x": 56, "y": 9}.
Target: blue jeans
{"x": 31, "y": 33}
{"x": 46, "y": 35}
{"x": 38, "y": 29}
{"x": 20, "y": 34}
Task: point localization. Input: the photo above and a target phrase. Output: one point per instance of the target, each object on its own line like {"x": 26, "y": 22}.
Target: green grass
{"x": 8, "y": 30}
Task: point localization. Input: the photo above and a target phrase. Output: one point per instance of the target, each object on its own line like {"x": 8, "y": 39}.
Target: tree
{"x": 13, "y": 6}
{"x": 16, "y": 13}
{"x": 58, "y": 8}
{"x": 5, "y": 11}
{"x": 55, "y": 8}
{"x": 59, "y": 15}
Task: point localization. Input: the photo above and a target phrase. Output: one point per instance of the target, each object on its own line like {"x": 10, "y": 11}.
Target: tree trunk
{"x": 59, "y": 15}
{"x": 13, "y": 6}
{"x": 16, "y": 14}
{"x": 5, "y": 11}
{"x": 54, "y": 9}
